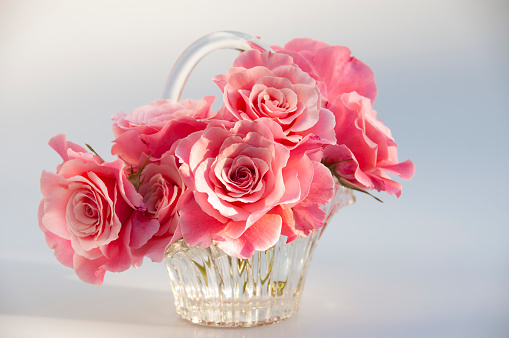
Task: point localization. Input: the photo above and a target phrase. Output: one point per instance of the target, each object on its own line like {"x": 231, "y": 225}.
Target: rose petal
{"x": 260, "y": 236}
{"x": 198, "y": 228}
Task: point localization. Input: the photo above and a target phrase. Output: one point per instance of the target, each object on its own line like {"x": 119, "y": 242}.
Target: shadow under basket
{"x": 213, "y": 288}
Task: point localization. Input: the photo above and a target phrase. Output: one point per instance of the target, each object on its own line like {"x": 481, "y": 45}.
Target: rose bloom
{"x": 304, "y": 170}
{"x": 151, "y": 118}
{"x": 270, "y": 86}
{"x": 154, "y": 128}
{"x": 366, "y": 151}
{"x": 238, "y": 178}
{"x": 333, "y": 67}
{"x": 85, "y": 211}
{"x": 157, "y": 226}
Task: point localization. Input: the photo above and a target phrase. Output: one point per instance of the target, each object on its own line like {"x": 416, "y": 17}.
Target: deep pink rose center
{"x": 84, "y": 214}
{"x": 161, "y": 194}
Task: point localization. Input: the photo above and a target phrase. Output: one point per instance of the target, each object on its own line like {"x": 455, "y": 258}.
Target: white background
{"x": 434, "y": 263}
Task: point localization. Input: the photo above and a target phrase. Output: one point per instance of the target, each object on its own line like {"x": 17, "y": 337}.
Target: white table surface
{"x": 434, "y": 263}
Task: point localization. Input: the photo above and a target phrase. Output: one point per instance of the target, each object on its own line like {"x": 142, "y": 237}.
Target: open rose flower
{"x": 366, "y": 151}
{"x": 157, "y": 226}
{"x": 304, "y": 170}
{"x": 151, "y": 118}
{"x": 85, "y": 211}
{"x": 236, "y": 177}
{"x": 270, "y": 86}
{"x": 154, "y": 128}
{"x": 335, "y": 70}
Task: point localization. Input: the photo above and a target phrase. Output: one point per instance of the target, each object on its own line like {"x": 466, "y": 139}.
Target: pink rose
{"x": 85, "y": 211}
{"x": 336, "y": 71}
{"x": 157, "y": 226}
{"x": 151, "y": 118}
{"x": 270, "y": 86}
{"x": 305, "y": 215}
{"x": 153, "y": 129}
{"x": 366, "y": 151}
{"x": 237, "y": 176}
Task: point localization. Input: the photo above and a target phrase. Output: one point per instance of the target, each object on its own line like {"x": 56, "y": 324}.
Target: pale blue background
{"x": 434, "y": 263}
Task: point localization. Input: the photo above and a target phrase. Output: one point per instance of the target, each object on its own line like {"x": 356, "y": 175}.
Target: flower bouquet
{"x": 233, "y": 199}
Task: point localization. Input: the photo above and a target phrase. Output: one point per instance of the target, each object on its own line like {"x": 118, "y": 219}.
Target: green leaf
{"x": 92, "y": 150}
{"x": 345, "y": 184}
{"x": 135, "y": 177}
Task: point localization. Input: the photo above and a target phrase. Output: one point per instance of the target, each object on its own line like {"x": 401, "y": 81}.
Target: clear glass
{"x": 199, "y": 49}
{"x": 212, "y": 288}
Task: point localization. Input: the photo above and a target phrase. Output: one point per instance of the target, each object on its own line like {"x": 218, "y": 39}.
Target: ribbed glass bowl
{"x": 213, "y": 288}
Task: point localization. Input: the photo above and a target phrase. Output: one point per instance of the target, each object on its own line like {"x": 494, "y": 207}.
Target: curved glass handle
{"x": 201, "y": 47}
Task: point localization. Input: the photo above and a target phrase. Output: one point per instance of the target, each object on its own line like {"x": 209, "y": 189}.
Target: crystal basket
{"x": 211, "y": 288}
